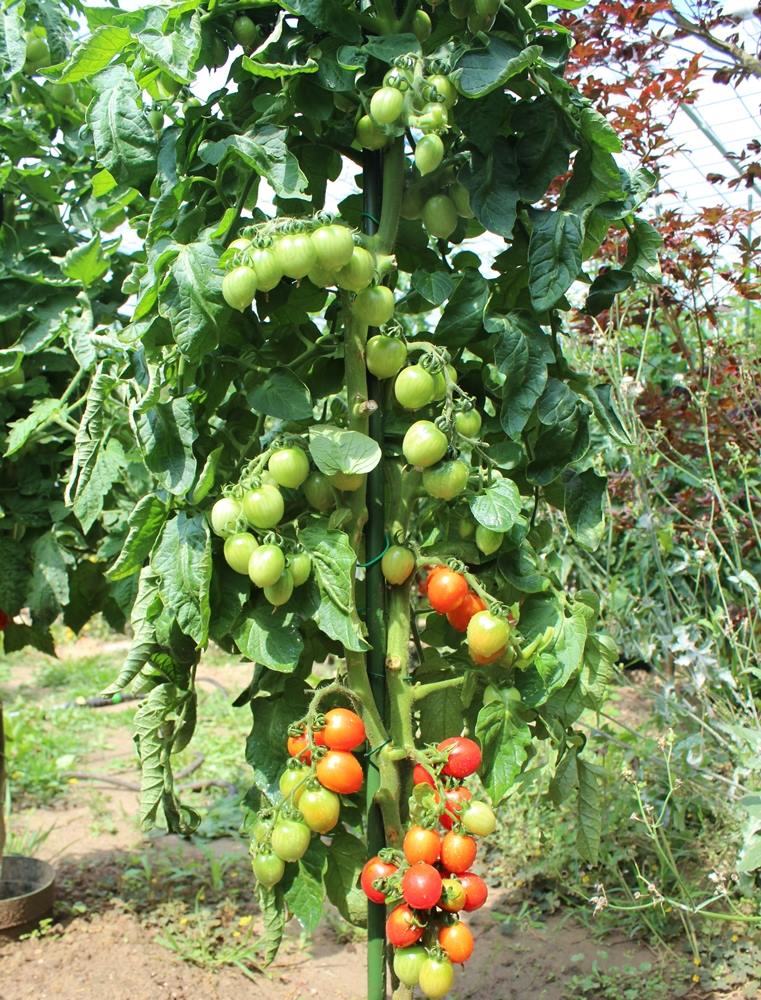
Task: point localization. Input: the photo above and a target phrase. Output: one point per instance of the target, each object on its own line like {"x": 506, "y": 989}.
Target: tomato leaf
{"x": 181, "y": 559}
{"x": 554, "y": 257}
{"x": 12, "y": 43}
{"x": 492, "y": 182}
{"x": 282, "y": 395}
{"x": 498, "y": 507}
{"x": 94, "y": 53}
{"x": 503, "y": 736}
{"x": 305, "y": 896}
{"x": 480, "y": 71}
{"x": 269, "y": 636}
{"x": 462, "y": 318}
{"x": 125, "y": 143}
{"x": 272, "y": 909}
{"x": 584, "y": 505}
{"x": 165, "y": 433}
{"x": 334, "y": 562}
{"x": 145, "y": 524}
{"x": 345, "y": 860}
{"x": 337, "y": 450}
{"x": 190, "y": 298}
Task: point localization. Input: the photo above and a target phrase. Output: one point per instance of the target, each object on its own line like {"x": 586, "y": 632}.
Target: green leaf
{"x": 14, "y": 558}
{"x": 337, "y": 450}
{"x": 504, "y": 737}
{"x": 12, "y": 42}
{"x": 94, "y": 53}
{"x": 272, "y": 714}
{"x": 282, "y": 395}
{"x": 173, "y": 46}
{"x": 145, "y": 523}
{"x": 589, "y": 812}
{"x": 166, "y": 433}
{"x": 43, "y": 411}
{"x": 269, "y": 636}
{"x": 642, "y": 256}
{"x": 554, "y": 257}
{"x": 86, "y": 263}
{"x": 492, "y": 182}
{"x": 333, "y": 561}
{"x": 524, "y": 384}
{"x": 345, "y": 861}
{"x": 598, "y": 130}
{"x": 17, "y": 637}
{"x": 434, "y": 286}
{"x": 272, "y": 908}
{"x": 125, "y": 143}
{"x": 49, "y": 585}
{"x": 478, "y": 72}
{"x": 584, "y": 503}
{"x": 182, "y": 561}
{"x": 543, "y": 147}
{"x": 498, "y": 507}
{"x": 265, "y": 151}
{"x": 462, "y": 318}
{"x": 605, "y": 288}
{"x": 109, "y": 467}
{"x": 305, "y": 896}
{"x": 329, "y": 15}
{"x": 191, "y": 299}
{"x": 387, "y": 48}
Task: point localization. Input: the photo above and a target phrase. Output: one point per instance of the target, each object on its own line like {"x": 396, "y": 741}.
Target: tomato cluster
{"x": 449, "y": 594}
{"x": 322, "y": 768}
{"x": 428, "y": 884}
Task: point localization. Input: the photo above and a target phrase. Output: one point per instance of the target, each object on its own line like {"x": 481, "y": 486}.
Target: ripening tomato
{"x": 408, "y": 962}
{"x": 446, "y": 589}
{"x": 290, "y": 839}
{"x": 421, "y": 776}
{"x": 446, "y": 480}
{"x": 319, "y": 493}
{"x": 343, "y": 730}
{"x": 421, "y": 886}
{"x": 483, "y": 661}
{"x": 239, "y": 287}
{"x": 458, "y": 852}
{"x": 320, "y": 808}
{"x": 295, "y": 254}
{"x": 429, "y": 153}
{"x": 470, "y": 605}
{"x": 300, "y": 566}
{"x": 358, "y": 273}
{"x": 475, "y": 891}
{"x": 487, "y": 634}
{"x": 268, "y": 271}
{"x": 453, "y": 895}
{"x": 468, "y": 423}
{"x": 298, "y": 746}
{"x": 334, "y": 245}
{"x": 279, "y": 592}
{"x": 397, "y": 565}
{"x": 440, "y": 216}
{"x": 436, "y": 978}
{"x": 264, "y": 506}
{"x": 340, "y": 771}
{"x": 268, "y": 868}
{"x": 238, "y": 549}
{"x": 454, "y": 800}
{"x": 444, "y": 89}
{"x": 225, "y": 516}
{"x": 421, "y": 844}
{"x": 266, "y": 565}
{"x": 424, "y": 444}
{"x": 289, "y": 467}
{"x": 374, "y": 306}
{"x": 376, "y": 868}
{"x": 414, "y": 387}
{"x": 478, "y": 818}
{"x": 402, "y": 928}
{"x": 293, "y": 781}
{"x": 386, "y": 105}
{"x": 369, "y": 135}
{"x": 488, "y": 541}
{"x": 457, "y": 941}
{"x": 385, "y": 356}
{"x": 464, "y": 756}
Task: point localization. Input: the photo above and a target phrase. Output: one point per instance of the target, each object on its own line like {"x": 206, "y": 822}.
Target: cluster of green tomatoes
{"x": 322, "y": 768}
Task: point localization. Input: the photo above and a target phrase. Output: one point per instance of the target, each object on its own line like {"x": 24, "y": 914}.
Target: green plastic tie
{"x": 375, "y": 559}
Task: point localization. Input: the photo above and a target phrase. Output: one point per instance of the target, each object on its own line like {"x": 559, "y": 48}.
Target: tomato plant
{"x": 264, "y": 421}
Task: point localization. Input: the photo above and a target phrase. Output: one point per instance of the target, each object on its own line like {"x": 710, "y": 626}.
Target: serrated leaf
{"x": 86, "y": 263}
{"x": 145, "y": 523}
{"x": 584, "y": 504}
{"x": 589, "y": 813}
{"x": 272, "y": 909}
{"x": 434, "y": 286}
{"x": 191, "y": 299}
{"x": 181, "y": 560}
{"x": 462, "y": 318}
{"x": 40, "y": 415}
{"x": 49, "y": 585}
{"x": 492, "y": 182}
{"x": 334, "y": 561}
{"x": 125, "y": 143}
{"x": 554, "y": 257}
{"x": 498, "y": 507}
{"x": 479, "y": 72}
{"x": 503, "y": 736}
{"x": 266, "y": 152}
{"x": 95, "y": 53}
{"x": 109, "y": 467}
{"x": 165, "y": 433}
{"x": 12, "y": 42}
{"x": 305, "y": 896}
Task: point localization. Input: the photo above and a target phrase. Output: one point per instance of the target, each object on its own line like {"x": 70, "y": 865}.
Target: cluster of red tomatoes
{"x": 429, "y": 883}
{"x": 449, "y": 594}
{"x": 322, "y": 768}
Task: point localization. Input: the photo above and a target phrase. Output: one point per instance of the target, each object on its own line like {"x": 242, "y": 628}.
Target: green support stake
{"x": 375, "y": 613}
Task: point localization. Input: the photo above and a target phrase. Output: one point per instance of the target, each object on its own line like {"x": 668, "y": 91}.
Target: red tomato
{"x": 446, "y": 589}
{"x": 298, "y": 746}
{"x": 457, "y": 942}
{"x": 464, "y": 756}
{"x": 402, "y": 928}
{"x": 458, "y": 852}
{"x": 340, "y": 771}
{"x": 425, "y": 581}
{"x": 421, "y": 844}
{"x": 344, "y": 730}
{"x": 475, "y": 891}
{"x": 470, "y": 605}
{"x": 374, "y": 869}
{"x": 454, "y": 799}
{"x": 421, "y": 886}
{"x": 420, "y": 776}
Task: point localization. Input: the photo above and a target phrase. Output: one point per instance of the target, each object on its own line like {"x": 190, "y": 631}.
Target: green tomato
{"x": 296, "y": 255}
{"x": 225, "y": 516}
{"x": 461, "y": 198}
{"x": 293, "y": 782}
{"x": 239, "y": 287}
{"x": 368, "y": 135}
{"x": 320, "y": 808}
{"x": 264, "y": 506}
{"x": 334, "y": 245}
{"x": 488, "y": 541}
{"x": 37, "y": 53}
{"x": 414, "y": 387}
{"x": 408, "y": 963}
{"x": 245, "y": 31}
{"x": 374, "y": 306}
{"x": 465, "y": 528}
{"x": 421, "y": 25}
{"x": 267, "y": 267}
{"x": 347, "y": 482}
{"x": 412, "y": 203}
{"x": 478, "y": 818}
{"x": 468, "y": 423}
{"x": 440, "y": 216}
{"x": 280, "y": 591}
{"x": 386, "y": 105}
{"x": 319, "y": 493}
{"x": 238, "y": 549}
{"x": 300, "y": 566}
{"x": 385, "y": 356}
{"x": 268, "y": 868}
{"x": 358, "y": 273}
{"x": 289, "y": 467}
{"x": 64, "y": 93}
{"x": 436, "y": 978}
{"x": 260, "y": 831}
{"x": 429, "y": 153}
{"x": 447, "y": 480}
{"x": 290, "y": 839}
{"x": 216, "y": 53}
{"x": 444, "y": 88}
{"x": 440, "y": 382}
{"x": 434, "y": 117}
{"x": 424, "y": 444}
{"x": 321, "y": 277}
{"x": 397, "y": 564}
{"x": 266, "y": 565}
{"x": 166, "y": 87}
